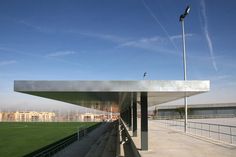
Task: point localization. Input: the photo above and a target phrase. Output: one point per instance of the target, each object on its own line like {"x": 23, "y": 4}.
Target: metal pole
{"x": 185, "y": 77}
{"x": 231, "y": 136}
{"x": 209, "y": 130}
{"x": 218, "y": 131}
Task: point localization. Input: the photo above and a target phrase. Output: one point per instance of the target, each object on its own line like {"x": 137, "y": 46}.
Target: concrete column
{"x": 126, "y": 117}
{"x": 144, "y": 121}
{"x": 121, "y": 115}
{"x": 129, "y": 118}
{"x": 134, "y": 115}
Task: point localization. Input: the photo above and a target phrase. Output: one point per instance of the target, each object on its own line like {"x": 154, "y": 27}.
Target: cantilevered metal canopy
{"x": 122, "y": 95}
{"x": 102, "y": 94}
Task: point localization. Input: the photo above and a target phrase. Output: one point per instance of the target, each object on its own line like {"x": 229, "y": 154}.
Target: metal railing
{"x": 167, "y": 117}
{"x": 55, "y": 147}
{"x": 126, "y": 139}
{"x": 223, "y": 133}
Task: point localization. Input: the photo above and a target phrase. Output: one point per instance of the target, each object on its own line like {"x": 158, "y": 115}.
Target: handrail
{"x": 165, "y": 117}
{"x": 218, "y": 129}
{"x": 128, "y": 138}
{"x": 214, "y": 124}
{"x": 206, "y": 129}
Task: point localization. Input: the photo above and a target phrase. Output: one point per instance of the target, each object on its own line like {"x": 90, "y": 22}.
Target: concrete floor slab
{"x": 164, "y": 142}
{"x": 82, "y": 147}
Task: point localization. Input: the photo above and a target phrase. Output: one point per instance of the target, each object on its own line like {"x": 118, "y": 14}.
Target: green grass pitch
{"x": 20, "y": 138}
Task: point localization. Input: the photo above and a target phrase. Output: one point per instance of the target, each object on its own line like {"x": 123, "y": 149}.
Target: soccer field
{"x": 20, "y": 138}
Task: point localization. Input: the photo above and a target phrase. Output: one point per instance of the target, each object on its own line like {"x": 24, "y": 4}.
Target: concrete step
{"x": 111, "y": 146}
{"x": 97, "y": 149}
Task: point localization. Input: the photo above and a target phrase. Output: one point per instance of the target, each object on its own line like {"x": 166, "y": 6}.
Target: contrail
{"x": 159, "y": 23}
{"x": 207, "y": 36}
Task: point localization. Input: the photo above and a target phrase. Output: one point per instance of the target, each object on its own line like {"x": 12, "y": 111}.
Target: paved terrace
{"x": 164, "y": 142}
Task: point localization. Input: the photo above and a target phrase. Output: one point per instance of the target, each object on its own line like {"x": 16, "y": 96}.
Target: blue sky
{"x": 115, "y": 40}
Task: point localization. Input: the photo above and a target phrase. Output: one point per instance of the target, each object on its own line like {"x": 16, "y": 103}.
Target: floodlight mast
{"x": 181, "y": 19}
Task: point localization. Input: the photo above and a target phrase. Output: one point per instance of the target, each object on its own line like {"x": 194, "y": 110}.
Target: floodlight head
{"x": 187, "y": 10}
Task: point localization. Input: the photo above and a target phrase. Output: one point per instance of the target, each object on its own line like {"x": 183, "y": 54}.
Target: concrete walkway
{"x": 81, "y": 148}
{"x": 164, "y": 142}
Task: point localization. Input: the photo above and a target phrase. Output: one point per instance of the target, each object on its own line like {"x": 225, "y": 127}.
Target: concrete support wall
{"x": 134, "y": 115}
{"x": 130, "y": 118}
{"x": 144, "y": 121}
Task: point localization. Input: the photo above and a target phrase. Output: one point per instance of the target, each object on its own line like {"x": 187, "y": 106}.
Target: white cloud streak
{"x": 109, "y": 37}
{"x": 35, "y": 27}
{"x": 7, "y": 62}
{"x": 54, "y": 56}
{"x": 155, "y": 43}
{"x": 143, "y": 41}
{"x": 159, "y": 23}
{"x": 177, "y": 37}
{"x": 11, "y": 50}
{"x": 60, "y": 53}
{"x": 206, "y": 33}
